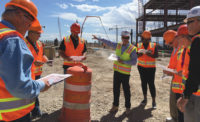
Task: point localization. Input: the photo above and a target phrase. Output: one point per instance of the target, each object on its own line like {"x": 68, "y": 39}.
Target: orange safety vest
{"x": 34, "y": 53}
{"x": 12, "y": 108}
{"x": 145, "y": 60}
{"x": 71, "y": 51}
{"x": 186, "y": 66}
{"x": 177, "y": 85}
{"x": 38, "y": 69}
{"x": 173, "y": 59}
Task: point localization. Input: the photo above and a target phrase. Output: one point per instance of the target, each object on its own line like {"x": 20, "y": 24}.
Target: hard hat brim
{"x": 22, "y": 7}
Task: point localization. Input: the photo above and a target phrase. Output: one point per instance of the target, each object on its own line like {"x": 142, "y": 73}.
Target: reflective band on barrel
{"x": 76, "y": 106}
{"x": 15, "y": 104}
{"x": 77, "y": 88}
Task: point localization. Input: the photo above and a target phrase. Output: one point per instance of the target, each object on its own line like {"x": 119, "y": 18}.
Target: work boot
{"x": 154, "y": 105}
{"x": 128, "y": 110}
{"x": 170, "y": 119}
{"x": 144, "y": 102}
{"x": 114, "y": 109}
{"x": 39, "y": 114}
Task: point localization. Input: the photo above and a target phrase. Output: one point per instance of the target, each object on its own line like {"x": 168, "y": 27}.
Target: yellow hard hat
{"x": 26, "y": 5}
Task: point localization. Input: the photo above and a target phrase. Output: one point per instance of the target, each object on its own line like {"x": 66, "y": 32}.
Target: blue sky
{"x": 112, "y": 12}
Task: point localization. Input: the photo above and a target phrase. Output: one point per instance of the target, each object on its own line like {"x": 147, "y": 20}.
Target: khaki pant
{"x": 172, "y": 106}
{"x": 192, "y": 109}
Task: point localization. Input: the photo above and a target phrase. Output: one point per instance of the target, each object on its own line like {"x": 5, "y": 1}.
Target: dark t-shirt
{"x": 193, "y": 80}
{"x": 75, "y": 42}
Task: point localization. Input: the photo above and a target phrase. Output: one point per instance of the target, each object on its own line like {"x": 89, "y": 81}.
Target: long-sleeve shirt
{"x": 133, "y": 55}
{"x": 193, "y": 81}
{"x": 15, "y": 67}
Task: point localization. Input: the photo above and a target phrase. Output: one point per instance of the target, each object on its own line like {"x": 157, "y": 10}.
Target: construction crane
{"x": 116, "y": 28}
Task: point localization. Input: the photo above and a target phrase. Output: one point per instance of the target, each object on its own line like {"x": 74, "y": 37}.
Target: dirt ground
{"x": 102, "y": 96}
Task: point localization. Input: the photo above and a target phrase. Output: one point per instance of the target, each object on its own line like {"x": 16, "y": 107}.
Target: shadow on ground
{"x": 137, "y": 114}
{"x": 53, "y": 117}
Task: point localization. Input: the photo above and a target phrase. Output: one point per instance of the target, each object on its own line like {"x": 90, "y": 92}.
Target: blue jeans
{"x": 36, "y": 110}
{"x": 25, "y": 118}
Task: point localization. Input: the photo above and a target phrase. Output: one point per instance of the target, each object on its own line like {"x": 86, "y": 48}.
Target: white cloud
{"x": 63, "y": 5}
{"x": 79, "y": 0}
{"x": 123, "y": 16}
{"x": 68, "y": 16}
{"x": 87, "y": 8}
{"x": 95, "y": 0}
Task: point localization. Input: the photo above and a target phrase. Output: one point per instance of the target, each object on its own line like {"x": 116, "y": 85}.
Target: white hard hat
{"x": 194, "y": 12}
{"x": 125, "y": 33}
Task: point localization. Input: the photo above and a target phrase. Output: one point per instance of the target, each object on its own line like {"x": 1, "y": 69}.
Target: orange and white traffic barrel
{"x": 77, "y": 92}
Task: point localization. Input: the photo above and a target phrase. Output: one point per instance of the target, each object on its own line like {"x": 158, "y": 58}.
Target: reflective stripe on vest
{"x": 38, "y": 69}
{"x": 77, "y": 88}
{"x": 76, "y": 106}
{"x": 123, "y": 68}
{"x": 177, "y": 85}
{"x": 144, "y": 60}
{"x": 12, "y": 108}
{"x": 8, "y": 104}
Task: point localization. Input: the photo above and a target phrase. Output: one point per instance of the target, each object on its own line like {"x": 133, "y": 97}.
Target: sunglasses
{"x": 125, "y": 37}
{"x": 25, "y": 14}
{"x": 189, "y": 22}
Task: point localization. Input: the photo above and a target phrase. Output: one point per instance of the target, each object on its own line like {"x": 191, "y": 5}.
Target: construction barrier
{"x": 77, "y": 92}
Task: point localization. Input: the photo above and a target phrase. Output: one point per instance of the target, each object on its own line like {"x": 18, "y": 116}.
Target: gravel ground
{"x": 102, "y": 96}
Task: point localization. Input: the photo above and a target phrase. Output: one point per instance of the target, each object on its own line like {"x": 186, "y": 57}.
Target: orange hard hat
{"x": 75, "y": 28}
{"x": 169, "y": 36}
{"x": 146, "y": 34}
{"x": 36, "y": 27}
{"x": 26, "y": 5}
{"x": 182, "y": 30}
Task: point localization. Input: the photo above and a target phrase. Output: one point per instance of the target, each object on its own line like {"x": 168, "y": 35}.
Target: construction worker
{"x": 177, "y": 85}
{"x": 36, "y": 48}
{"x": 17, "y": 89}
{"x": 190, "y": 103}
{"x": 126, "y": 54}
{"x": 169, "y": 37}
{"x": 72, "y": 45}
{"x": 147, "y": 52}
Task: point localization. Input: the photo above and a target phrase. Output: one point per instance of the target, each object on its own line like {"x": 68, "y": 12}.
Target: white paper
{"x": 165, "y": 76}
{"x": 55, "y": 78}
{"x": 166, "y": 68}
{"x": 142, "y": 51}
{"x": 77, "y": 58}
{"x": 112, "y": 57}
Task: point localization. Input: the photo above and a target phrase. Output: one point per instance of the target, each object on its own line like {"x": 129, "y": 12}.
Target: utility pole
{"x": 59, "y": 28}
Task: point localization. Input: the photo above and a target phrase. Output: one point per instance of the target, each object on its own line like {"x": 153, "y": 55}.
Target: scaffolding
{"x": 162, "y": 14}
